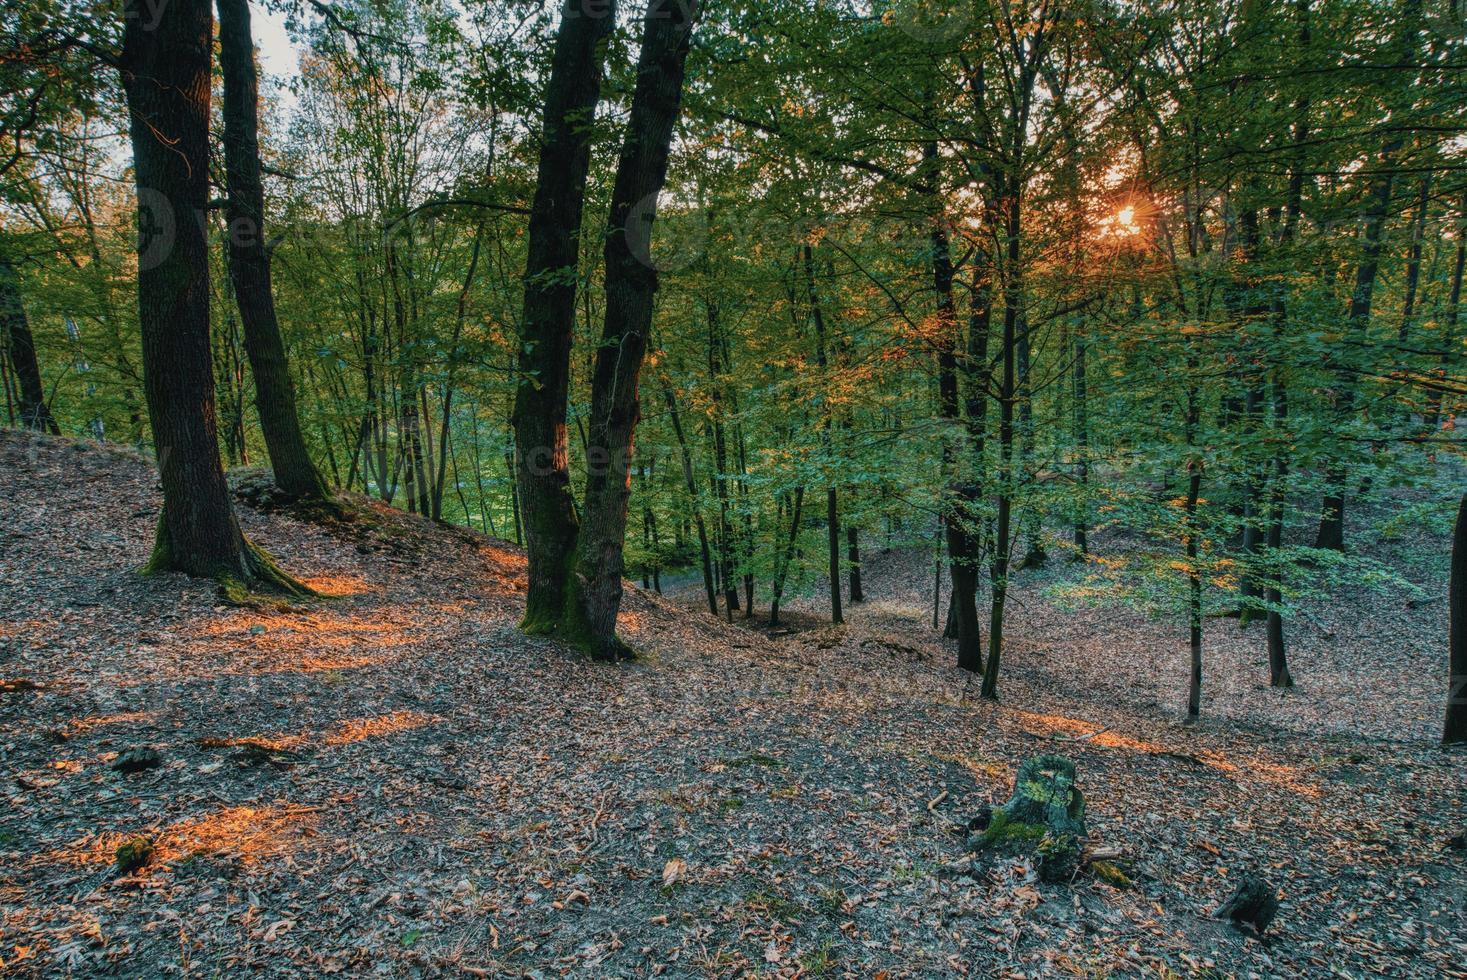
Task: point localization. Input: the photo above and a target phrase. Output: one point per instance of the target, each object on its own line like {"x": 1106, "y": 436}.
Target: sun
{"x": 1122, "y": 223}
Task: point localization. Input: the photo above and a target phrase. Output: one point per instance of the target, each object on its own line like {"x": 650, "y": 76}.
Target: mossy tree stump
{"x": 1044, "y": 819}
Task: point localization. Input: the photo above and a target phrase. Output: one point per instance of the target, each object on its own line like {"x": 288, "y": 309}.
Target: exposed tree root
{"x": 255, "y": 580}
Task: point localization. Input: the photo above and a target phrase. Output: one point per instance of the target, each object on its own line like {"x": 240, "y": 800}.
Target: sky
{"x": 277, "y": 55}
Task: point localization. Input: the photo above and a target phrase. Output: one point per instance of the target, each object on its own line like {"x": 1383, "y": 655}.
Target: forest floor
{"x": 397, "y": 782}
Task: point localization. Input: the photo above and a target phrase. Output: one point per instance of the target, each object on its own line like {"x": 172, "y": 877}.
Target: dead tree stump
{"x": 1255, "y": 903}
{"x": 1044, "y": 818}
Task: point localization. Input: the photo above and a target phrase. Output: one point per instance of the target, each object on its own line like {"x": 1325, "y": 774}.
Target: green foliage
{"x": 1192, "y": 230}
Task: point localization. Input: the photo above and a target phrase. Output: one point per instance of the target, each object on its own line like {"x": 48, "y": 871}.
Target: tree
{"x": 548, "y": 326}
{"x": 20, "y": 351}
{"x": 165, "y": 66}
{"x": 249, "y": 261}
{"x": 595, "y": 587}
{"x": 1455, "y": 730}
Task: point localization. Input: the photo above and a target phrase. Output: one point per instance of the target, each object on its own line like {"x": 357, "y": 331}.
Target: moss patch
{"x": 1111, "y": 873}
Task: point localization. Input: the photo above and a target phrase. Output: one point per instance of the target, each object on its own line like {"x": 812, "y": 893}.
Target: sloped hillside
{"x": 396, "y": 782}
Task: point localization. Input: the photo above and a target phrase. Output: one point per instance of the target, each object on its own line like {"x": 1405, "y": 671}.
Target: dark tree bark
{"x": 958, "y": 512}
{"x": 1413, "y": 259}
{"x": 249, "y": 261}
{"x": 1374, "y": 215}
{"x": 692, "y": 487}
{"x": 1251, "y": 304}
{"x": 726, "y": 581}
{"x": 1455, "y": 730}
{"x": 165, "y": 70}
{"x": 631, "y": 285}
{"x": 832, "y": 503}
{"x": 786, "y": 559}
{"x": 21, "y": 346}
{"x": 1081, "y": 422}
{"x": 1454, "y": 309}
{"x": 998, "y": 569}
{"x": 1278, "y": 661}
{"x": 548, "y": 325}
{"x": 853, "y": 562}
{"x": 1194, "y": 589}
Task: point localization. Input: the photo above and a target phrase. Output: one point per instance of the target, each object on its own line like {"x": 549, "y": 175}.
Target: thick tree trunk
{"x": 631, "y": 284}
{"x": 21, "y": 346}
{"x": 249, "y": 261}
{"x": 543, "y": 468}
{"x": 1455, "y": 730}
{"x": 166, "y": 77}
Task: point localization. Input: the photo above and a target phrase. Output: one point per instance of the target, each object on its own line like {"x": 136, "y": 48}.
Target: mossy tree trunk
{"x": 548, "y": 326}
{"x": 631, "y": 286}
{"x": 165, "y": 69}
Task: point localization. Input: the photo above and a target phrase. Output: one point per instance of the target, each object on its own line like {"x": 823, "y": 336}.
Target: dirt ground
{"x": 396, "y": 782}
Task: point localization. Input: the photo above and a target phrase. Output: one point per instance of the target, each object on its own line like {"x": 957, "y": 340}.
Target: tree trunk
{"x": 166, "y": 77}
{"x": 1278, "y": 662}
{"x": 1449, "y": 329}
{"x": 1413, "y": 259}
{"x": 249, "y": 261}
{"x": 1455, "y": 730}
{"x": 1194, "y": 588}
{"x": 853, "y": 562}
{"x": 832, "y": 524}
{"x": 631, "y": 285}
{"x": 1377, "y": 209}
{"x": 998, "y": 569}
{"x": 1082, "y": 452}
{"x": 543, "y": 469}
{"x": 692, "y": 487}
{"x": 832, "y": 505}
{"x": 21, "y": 345}
{"x": 783, "y": 562}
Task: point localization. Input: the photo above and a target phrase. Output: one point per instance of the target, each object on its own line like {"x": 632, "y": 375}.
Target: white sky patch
{"x": 278, "y": 56}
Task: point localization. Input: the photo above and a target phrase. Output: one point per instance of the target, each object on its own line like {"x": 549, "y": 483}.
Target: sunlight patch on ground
{"x": 319, "y": 628}
{"x": 247, "y": 832}
{"x": 1256, "y": 770}
{"x": 358, "y": 729}
{"x": 338, "y": 586}
{"x": 344, "y": 732}
{"x": 77, "y": 726}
